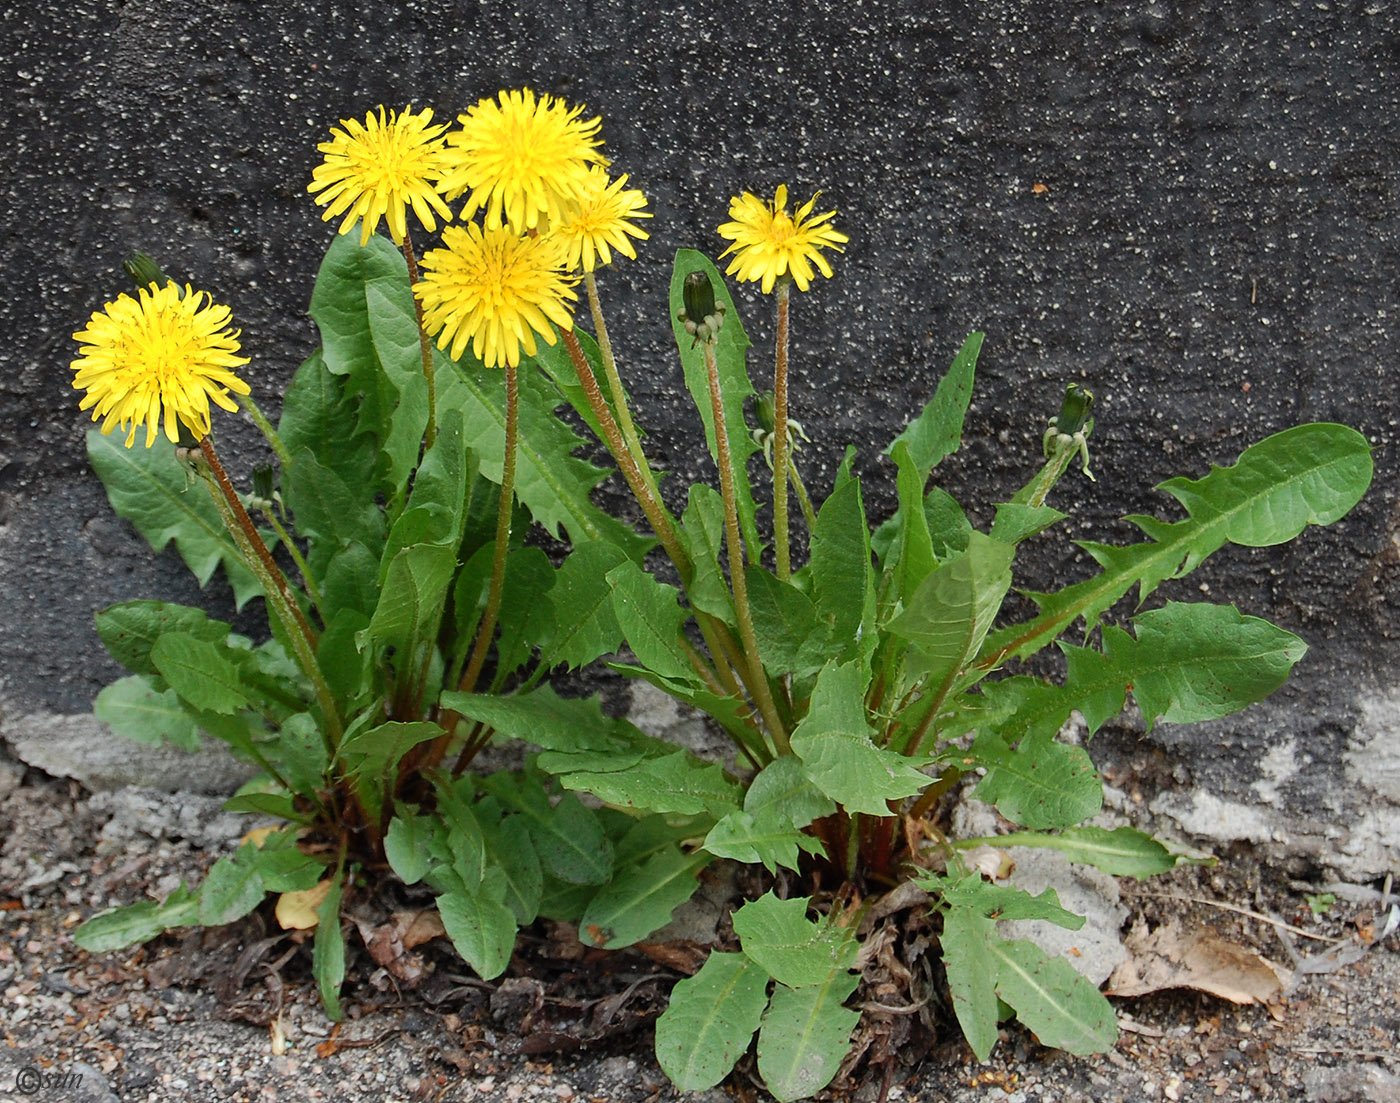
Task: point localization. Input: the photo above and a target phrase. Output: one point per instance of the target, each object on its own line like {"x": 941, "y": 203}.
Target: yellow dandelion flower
{"x": 160, "y": 357}
{"x": 600, "y": 223}
{"x": 379, "y": 170}
{"x": 769, "y": 243}
{"x": 495, "y": 289}
{"x": 521, "y": 159}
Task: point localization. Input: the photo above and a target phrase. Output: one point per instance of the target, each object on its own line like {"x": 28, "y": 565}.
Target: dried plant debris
{"x": 1171, "y": 957}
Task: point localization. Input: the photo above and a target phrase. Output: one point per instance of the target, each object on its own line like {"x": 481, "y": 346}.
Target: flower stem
{"x": 297, "y": 558}
{"x": 423, "y": 346}
{"x": 656, "y": 513}
{"x": 255, "y": 541}
{"x": 265, "y": 427}
{"x": 781, "y": 444}
{"x": 619, "y": 396}
{"x": 279, "y": 595}
{"x": 758, "y": 678}
{"x": 487, "y": 628}
{"x": 804, "y": 499}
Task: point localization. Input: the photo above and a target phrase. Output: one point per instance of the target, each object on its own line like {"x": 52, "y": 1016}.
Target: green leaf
{"x": 677, "y": 783}
{"x": 641, "y": 898}
{"x": 981, "y": 967}
{"x": 351, "y": 581}
{"x": 950, "y": 613}
{"x": 1041, "y": 783}
{"x": 512, "y": 851}
{"x": 549, "y": 480}
{"x": 702, "y": 526}
{"x": 1016, "y": 521}
{"x": 134, "y": 708}
{"x": 411, "y": 604}
{"x": 1190, "y": 662}
{"x": 328, "y": 950}
{"x": 373, "y": 752}
{"x": 567, "y": 725}
{"x": 730, "y": 353}
{"x": 482, "y": 930}
{"x": 748, "y": 837}
{"x": 364, "y": 309}
{"x": 790, "y": 638}
{"x": 569, "y": 839}
{"x": 650, "y": 619}
{"x": 586, "y": 626}
{"x": 710, "y": 1020}
{"x": 842, "y": 579}
{"x": 833, "y": 741}
{"x": 130, "y": 629}
{"x": 805, "y": 1036}
{"x": 783, "y": 789}
{"x": 442, "y": 480}
{"x": 330, "y": 511}
{"x": 201, "y": 672}
{"x": 1308, "y": 475}
{"x": 780, "y": 801}
{"x": 1052, "y": 999}
{"x": 912, "y": 555}
{"x": 529, "y": 622}
{"x": 971, "y": 972}
{"x": 406, "y": 844}
{"x": 937, "y": 432}
{"x": 797, "y": 952}
{"x": 318, "y": 416}
{"x": 232, "y": 888}
{"x": 284, "y": 866}
{"x": 117, "y": 928}
{"x": 1121, "y": 852}
{"x": 150, "y": 488}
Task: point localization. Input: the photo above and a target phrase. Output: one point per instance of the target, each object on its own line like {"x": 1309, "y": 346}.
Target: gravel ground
{"x": 230, "y": 1013}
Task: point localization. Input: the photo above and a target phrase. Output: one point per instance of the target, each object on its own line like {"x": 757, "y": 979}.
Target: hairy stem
{"x": 781, "y": 445}
{"x": 259, "y": 419}
{"x": 758, "y": 678}
{"x": 619, "y": 396}
{"x": 656, "y": 513}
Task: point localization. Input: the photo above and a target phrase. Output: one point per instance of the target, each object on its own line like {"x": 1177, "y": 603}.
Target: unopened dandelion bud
{"x": 699, "y": 297}
{"x": 262, "y": 487}
{"x": 144, "y": 271}
{"x": 1075, "y": 409}
{"x": 764, "y": 410}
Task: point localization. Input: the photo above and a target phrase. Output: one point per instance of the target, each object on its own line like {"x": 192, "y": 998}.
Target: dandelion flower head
{"x": 523, "y": 160}
{"x": 379, "y": 170}
{"x": 495, "y": 289}
{"x": 768, "y": 243}
{"x": 600, "y": 223}
{"x": 158, "y": 359}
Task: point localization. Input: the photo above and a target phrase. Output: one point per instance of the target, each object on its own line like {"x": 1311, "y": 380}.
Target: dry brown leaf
{"x": 389, "y": 943}
{"x": 1172, "y": 958}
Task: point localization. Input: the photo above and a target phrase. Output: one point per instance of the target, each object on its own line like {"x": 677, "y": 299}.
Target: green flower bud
{"x": 144, "y": 271}
{"x": 702, "y": 316}
{"x": 765, "y": 411}
{"x": 1075, "y": 409}
{"x": 262, "y": 482}
{"x": 699, "y": 297}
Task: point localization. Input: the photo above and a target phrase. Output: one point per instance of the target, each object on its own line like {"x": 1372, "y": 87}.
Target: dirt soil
{"x": 231, "y": 1013}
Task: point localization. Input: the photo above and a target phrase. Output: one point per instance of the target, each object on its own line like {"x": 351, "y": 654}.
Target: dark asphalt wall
{"x": 1190, "y": 210}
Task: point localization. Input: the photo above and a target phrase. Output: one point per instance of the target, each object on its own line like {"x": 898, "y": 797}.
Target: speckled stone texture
{"x": 1190, "y": 210}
